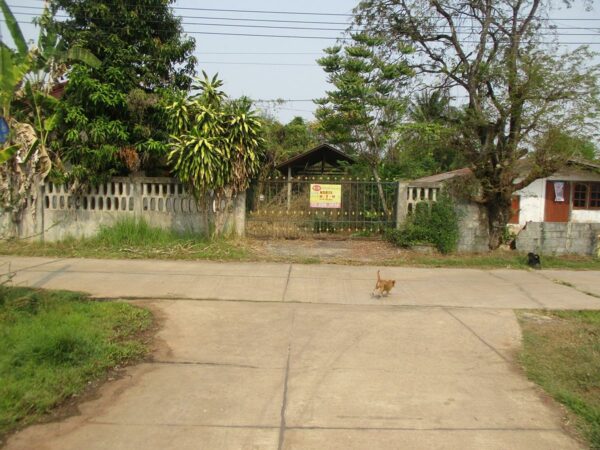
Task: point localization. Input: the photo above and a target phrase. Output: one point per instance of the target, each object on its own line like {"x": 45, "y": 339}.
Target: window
{"x": 586, "y": 196}
{"x": 580, "y": 195}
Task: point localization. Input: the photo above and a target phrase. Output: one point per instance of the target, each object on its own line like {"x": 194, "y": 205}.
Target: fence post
{"x": 289, "y": 188}
{"x": 401, "y": 204}
{"x": 39, "y": 211}
{"x": 138, "y": 207}
{"x": 239, "y": 214}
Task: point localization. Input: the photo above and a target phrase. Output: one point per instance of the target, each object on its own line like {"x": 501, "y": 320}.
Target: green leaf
{"x": 83, "y": 55}
{"x": 14, "y": 28}
{"x": 8, "y": 152}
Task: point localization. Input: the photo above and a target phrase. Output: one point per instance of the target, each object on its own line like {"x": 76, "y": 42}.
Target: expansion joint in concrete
{"x": 483, "y": 341}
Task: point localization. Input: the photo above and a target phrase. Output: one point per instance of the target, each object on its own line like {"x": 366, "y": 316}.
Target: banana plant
{"x": 28, "y": 73}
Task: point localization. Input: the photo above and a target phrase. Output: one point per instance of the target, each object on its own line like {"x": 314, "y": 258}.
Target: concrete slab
{"x": 97, "y": 436}
{"x": 384, "y": 339}
{"x": 584, "y": 280}
{"x": 303, "y": 357}
{"x": 195, "y": 394}
{"x": 261, "y": 282}
{"x": 230, "y": 375}
{"x": 344, "y": 439}
{"x": 248, "y": 334}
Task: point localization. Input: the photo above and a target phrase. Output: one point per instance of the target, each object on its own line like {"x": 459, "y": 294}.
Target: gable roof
{"x": 321, "y": 153}
{"x": 522, "y": 165}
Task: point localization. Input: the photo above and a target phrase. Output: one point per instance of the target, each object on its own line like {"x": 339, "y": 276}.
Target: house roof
{"x": 321, "y": 153}
{"x": 439, "y": 177}
{"x": 522, "y": 164}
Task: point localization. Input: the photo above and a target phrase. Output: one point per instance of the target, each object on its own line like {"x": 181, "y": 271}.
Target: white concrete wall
{"x": 532, "y": 202}
{"x": 585, "y": 216}
{"x": 162, "y": 202}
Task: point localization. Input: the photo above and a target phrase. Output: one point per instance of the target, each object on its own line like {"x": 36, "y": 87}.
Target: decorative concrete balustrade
{"x": 61, "y": 211}
{"x": 410, "y": 194}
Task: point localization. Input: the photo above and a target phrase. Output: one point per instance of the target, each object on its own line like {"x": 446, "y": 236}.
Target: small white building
{"x": 559, "y": 214}
{"x": 570, "y": 195}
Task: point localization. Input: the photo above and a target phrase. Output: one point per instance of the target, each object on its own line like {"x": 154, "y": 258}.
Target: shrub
{"x": 435, "y": 223}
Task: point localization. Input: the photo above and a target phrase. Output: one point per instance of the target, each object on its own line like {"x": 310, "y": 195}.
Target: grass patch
{"x": 134, "y": 239}
{"x": 52, "y": 343}
{"x": 561, "y": 353}
{"x": 493, "y": 260}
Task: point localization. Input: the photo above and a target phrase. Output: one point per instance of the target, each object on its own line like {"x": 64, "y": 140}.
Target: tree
{"x": 362, "y": 111}
{"x": 216, "y": 144}
{"x": 517, "y": 85}
{"x": 27, "y": 74}
{"x": 112, "y": 118}
{"x": 427, "y": 141}
{"x": 282, "y": 141}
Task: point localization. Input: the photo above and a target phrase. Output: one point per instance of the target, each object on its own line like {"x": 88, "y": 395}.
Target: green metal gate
{"x": 282, "y": 207}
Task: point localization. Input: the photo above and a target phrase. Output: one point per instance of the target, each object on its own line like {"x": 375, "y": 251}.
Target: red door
{"x": 557, "y": 211}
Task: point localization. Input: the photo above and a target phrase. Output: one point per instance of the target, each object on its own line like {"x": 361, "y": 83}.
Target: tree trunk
{"x": 380, "y": 190}
{"x": 499, "y": 213}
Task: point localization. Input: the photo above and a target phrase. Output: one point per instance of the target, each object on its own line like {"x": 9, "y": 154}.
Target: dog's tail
{"x": 378, "y": 277}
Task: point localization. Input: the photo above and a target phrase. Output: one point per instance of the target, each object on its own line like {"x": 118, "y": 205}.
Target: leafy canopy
{"x": 517, "y": 85}
{"x": 112, "y": 118}
{"x": 216, "y": 144}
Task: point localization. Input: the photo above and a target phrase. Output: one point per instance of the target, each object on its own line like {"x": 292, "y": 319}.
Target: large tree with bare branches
{"x": 519, "y": 86}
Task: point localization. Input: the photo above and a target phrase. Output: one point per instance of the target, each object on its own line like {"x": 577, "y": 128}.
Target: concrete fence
{"x": 57, "y": 213}
{"x": 473, "y": 233}
{"x": 559, "y": 238}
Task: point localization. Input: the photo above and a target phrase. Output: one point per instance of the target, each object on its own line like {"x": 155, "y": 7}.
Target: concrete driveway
{"x": 273, "y": 356}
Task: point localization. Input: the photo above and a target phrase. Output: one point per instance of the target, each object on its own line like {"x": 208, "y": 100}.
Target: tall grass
{"x": 131, "y": 238}
{"x": 52, "y": 343}
{"x": 139, "y": 233}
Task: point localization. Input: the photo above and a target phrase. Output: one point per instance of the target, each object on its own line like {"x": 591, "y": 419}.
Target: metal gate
{"x": 320, "y": 207}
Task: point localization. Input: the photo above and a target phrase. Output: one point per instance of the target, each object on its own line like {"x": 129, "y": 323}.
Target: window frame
{"x": 588, "y": 194}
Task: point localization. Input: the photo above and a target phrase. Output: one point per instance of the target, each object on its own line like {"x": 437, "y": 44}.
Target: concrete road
{"x": 273, "y": 356}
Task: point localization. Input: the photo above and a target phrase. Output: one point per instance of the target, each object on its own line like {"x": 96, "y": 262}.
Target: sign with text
{"x": 325, "y": 195}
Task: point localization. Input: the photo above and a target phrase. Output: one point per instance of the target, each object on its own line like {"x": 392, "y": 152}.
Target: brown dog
{"x": 383, "y": 287}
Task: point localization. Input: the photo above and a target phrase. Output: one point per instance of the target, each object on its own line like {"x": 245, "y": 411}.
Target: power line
{"x": 444, "y": 27}
{"x": 310, "y": 29}
{"x": 312, "y": 22}
{"x": 303, "y": 13}
{"x": 287, "y": 36}
{"x": 256, "y": 11}
{"x": 255, "y": 63}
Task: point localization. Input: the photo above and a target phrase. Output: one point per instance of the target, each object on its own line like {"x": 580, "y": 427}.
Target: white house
{"x": 559, "y": 214}
{"x": 570, "y": 195}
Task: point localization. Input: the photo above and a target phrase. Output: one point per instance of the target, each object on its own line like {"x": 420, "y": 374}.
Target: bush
{"x": 435, "y": 223}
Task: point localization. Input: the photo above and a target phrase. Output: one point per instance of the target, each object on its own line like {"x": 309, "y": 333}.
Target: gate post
{"x": 289, "y": 188}
{"x": 401, "y": 204}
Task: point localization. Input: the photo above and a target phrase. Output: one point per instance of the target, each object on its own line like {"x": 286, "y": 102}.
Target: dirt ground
{"x": 363, "y": 251}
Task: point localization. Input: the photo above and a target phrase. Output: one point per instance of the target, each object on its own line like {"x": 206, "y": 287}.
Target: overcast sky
{"x": 268, "y": 68}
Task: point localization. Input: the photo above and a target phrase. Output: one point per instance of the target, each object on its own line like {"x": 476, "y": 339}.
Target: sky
{"x": 270, "y": 68}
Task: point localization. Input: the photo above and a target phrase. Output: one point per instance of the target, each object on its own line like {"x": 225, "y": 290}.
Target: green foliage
{"x": 216, "y": 144}
{"x": 112, "y": 118}
{"x": 518, "y": 87}
{"x": 52, "y": 343}
{"x": 283, "y": 141}
{"x": 427, "y": 144}
{"x": 435, "y": 223}
{"x": 362, "y": 110}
